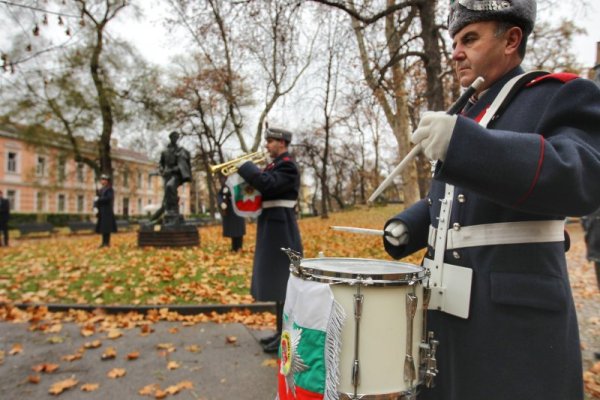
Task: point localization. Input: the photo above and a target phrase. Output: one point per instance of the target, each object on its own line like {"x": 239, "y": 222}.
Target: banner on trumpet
{"x": 246, "y": 200}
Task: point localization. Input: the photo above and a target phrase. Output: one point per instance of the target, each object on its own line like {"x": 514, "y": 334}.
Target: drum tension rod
{"x": 358, "y": 304}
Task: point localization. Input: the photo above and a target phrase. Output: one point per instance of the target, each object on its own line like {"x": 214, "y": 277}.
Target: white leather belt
{"x": 501, "y": 233}
{"x": 279, "y": 203}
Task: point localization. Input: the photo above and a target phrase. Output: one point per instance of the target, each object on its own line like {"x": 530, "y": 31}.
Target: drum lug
{"x": 409, "y": 364}
{"x": 358, "y": 305}
{"x": 295, "y": 260}
{"x": 430, "y": 362}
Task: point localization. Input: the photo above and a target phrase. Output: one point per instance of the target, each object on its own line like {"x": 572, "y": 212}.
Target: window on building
{"x": 11, "y": 162}
{"x": 140, "y": 178}
{"x": 126, "y": 178}
{"x": 11, "y": 195}
{"x": 61, "y": 173}
{"x": 149, "y": 181}
{"x": 125, "y": 206}
{"x": 40, "y": 169}
{"x": 61, "y": 205}
{"x": 80, "y": 172}
{"x": 80, "y": 203}
{"x": 40, "y": 201}
{"x": 139, "y": 206}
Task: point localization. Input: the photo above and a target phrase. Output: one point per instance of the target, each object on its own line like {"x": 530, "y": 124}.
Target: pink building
{"x": 41, "y": 176}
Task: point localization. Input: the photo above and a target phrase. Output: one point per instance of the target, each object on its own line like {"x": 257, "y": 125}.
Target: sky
{"x": 154, "y": 42}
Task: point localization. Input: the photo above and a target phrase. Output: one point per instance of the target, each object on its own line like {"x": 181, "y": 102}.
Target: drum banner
{"x": 310, "y": 347}
{"x": 246, "y": 200}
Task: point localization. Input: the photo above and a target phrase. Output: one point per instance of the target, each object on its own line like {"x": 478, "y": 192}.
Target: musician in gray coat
{"x": 591, "y": 226}
{"x": 507, "y": 174}
{"x": 4, "y": 217}
{"x": 234, "y": 226}
{"x": 279, "y": 184}
{"x": 104, "y": 203}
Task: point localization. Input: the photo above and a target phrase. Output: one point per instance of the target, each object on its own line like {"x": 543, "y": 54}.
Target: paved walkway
{"x": 223, "y": 361}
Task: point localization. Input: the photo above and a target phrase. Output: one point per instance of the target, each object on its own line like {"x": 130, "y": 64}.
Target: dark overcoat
{"x": 538, "y": 160}
{"x": 276, "y": 227}
{"x": 4, "y": 213}
{"x": 591, "y": 225}
{"x": 106, "y": 217}
{"x": 233, "y": 224}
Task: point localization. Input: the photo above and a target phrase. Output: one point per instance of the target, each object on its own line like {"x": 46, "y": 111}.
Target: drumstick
{"x": 362, "y": 231}
{"x": 458, "y": 105}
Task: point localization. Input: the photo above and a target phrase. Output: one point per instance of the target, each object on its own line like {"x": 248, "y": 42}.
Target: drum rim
{"x": 353, "y": 278}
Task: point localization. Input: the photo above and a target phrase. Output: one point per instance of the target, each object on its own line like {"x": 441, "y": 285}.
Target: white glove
{"x": 396, "y": 233}
{"x": 434, "y": 133}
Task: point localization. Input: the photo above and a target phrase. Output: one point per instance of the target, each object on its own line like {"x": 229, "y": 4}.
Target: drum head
{"x": 360, "y": 270}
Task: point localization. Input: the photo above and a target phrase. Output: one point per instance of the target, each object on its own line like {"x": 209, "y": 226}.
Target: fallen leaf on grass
{"x": 174, "y": 330}
{"x": 34, "y": 379}
{"x": 17, "y": 348}
{"x": 116, "y": 373}
{"x": 61, "y": 386}
{"x": 89, "y": 387}
{"x": 134, "y": 355}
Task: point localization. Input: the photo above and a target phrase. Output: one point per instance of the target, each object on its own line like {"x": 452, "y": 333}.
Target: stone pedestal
{"x": 168, "y": 235}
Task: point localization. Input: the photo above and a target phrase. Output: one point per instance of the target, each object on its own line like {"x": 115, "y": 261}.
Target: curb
{"x": 180, "y": 309}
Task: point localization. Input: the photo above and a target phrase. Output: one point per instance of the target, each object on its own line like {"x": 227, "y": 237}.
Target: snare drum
{"x": 383, "y": 302}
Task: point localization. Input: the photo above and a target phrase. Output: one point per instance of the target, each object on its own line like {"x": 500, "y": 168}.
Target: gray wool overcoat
{"x": 538, "y": 159}
{"x": 276, "y": 227}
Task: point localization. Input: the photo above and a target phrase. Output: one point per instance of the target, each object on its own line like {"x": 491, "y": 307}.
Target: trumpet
{"x": 230, "y": 167}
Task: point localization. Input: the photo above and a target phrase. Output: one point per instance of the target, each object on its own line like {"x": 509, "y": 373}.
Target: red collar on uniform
{"x": 563, "y": 77}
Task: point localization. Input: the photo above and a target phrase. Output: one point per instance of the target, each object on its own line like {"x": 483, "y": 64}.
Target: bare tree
{"x": 549, "y": 44}
{"x": 255, "y": 45}
{"x": 80, "y": 92}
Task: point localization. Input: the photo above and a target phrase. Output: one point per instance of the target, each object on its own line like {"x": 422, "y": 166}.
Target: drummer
{"x": 279, "y": 184}
{"x": 537, "y": 162}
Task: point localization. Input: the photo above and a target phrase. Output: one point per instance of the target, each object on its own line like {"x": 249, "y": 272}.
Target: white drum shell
{"x": 383, "y": 335}
{"x": 383, "y": 324}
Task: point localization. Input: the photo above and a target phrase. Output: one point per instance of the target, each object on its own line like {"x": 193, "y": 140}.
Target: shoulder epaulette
{"x": 563, "y": 77}
{"x": 286, "y": 158}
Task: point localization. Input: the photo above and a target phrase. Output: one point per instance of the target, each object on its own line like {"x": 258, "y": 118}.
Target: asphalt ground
{"x": 221, "y": 361}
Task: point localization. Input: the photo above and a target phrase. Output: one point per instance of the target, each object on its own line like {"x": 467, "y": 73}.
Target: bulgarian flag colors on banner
{"x": 246, "y": 200}
{"x": 310, "y": 342}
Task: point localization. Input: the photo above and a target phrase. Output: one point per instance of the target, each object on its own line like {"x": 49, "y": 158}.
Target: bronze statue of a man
{"x": 175, "y": 168}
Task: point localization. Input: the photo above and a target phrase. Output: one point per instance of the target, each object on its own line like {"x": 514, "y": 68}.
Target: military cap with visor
{"x": 464, "y": 12}
{"x": 277, "y": 133}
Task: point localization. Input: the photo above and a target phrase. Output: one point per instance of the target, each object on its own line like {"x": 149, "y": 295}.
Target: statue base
{"x": 168, "y": 235}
